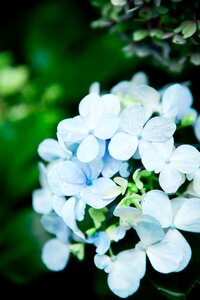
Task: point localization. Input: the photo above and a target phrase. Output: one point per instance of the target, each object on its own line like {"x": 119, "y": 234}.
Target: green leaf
{"x": 98, "y": 216}
{"x": 77, "y": 250}
{"x": 140, "y": 35}
{"x": 188, "y": 28}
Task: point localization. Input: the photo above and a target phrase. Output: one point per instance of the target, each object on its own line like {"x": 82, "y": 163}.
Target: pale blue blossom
{"x": 134, "y": 133}
{"x": 72, "y": 178}
{"x": 101, "y": 240}
{"x": 172, "y": 163}
{"x": 42, "y": 198}
{"x": 176, "y": 101}
{"x": 55, "y": 254}
{"x": 50, "y": 150}
{"x": 56, "y": 251}
{"x": 178, "y": 213}
{"x": 137, "y": 92}
{"x": 197, "y": 128}
{"x": 97, "y": 121}
{"x": 124, "y": 271}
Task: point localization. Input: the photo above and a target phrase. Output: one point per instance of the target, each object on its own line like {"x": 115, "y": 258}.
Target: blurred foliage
{"x": 42, "y": 79}
{"x": 167, "y": 31}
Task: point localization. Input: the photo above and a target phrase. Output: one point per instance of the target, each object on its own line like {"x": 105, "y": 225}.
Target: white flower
{"x": 134, "y": 133}
{"x": 172, "y": 163}
{"x": 97, "y": 122}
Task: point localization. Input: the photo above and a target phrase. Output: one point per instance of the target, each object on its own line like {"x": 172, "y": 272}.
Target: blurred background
{"x": 49, "y": 57}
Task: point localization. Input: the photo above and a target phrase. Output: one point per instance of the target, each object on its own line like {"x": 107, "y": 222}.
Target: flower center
{"x": 89, "y": 182}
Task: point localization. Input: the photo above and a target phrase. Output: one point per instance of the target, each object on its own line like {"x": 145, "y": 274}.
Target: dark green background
{"x": 55, "y": 41}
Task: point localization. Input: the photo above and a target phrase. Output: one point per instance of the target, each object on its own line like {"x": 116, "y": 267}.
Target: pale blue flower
{"x": 55, "y": 254}
{"x": 134, "y": 133}
{"x": 97, "y": 122}
{"x": 101, "y": 240}
{"x": 197, "y": 128}
{"x": 176, "y": 101}
{"x": 124, "y": 271}
{"x": 72, "y": 178}
{"x": 180, "y": 213}
{"x": 50, "y": 150}
{"x": 43, "y": 200}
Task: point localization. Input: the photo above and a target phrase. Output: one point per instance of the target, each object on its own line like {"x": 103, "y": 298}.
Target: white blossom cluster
{"x": 117, "y": 167}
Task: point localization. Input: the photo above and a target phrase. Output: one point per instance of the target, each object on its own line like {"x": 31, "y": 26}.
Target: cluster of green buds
{"x": 168, "y": 31}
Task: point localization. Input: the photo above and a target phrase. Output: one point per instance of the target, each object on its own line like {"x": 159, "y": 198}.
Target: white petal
{"x": 122, "y": 146}
{"x": 165, "y": 257}
{"x": 157, "y": 204}
{"x": 188, "y": 216}
{"x": 176, "y": 204}
{"x": 103, "y": 262}
{"x": 106, "y": 127}
{"x": 111, "y": 104}
{"x": 111, "y": 166}
{"x": 185, "y": 100}
{"x": 148, "y": 97}
{"x": 130, "y": 215}
{"x": 197, "y": 128}
{"x": 170, "y": 179}
{"x": 132, "y": 119}
{"x": 158, "y": 129}
{"x": 55, "y": 255}
{"x": 91, "y": 110}
{"x": 72, "y": 130}
{"x": 139, "y": 78}
{"x": 152, "y": 159}
{"x": 178, "y": 239}
{"x": 186, "y": 159}
{"x": 196, "y": 182}
{"x": 124, "y": 279}
{"x": 88, "y": 149}
{"x": 170, "y": 101}
{"x": 42, "y": 201}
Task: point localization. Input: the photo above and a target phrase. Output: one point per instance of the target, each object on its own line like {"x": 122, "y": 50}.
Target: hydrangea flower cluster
{"x": 116, "y": 168}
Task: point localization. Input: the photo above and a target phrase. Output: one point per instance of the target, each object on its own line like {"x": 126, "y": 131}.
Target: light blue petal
{"x": 55, "y": 255}
{"x": 92, "y": 195}
{"x": 124, "y": 278}
{"x": 106, "y": 127}
{"x": 55, "y": 225}
{"x": 70, "y": 172}
{"x": 170, "y": 101}
{"x": 185, "y": 100}
{"x": 43, "y": 175}
{"x": 50, "y": 150}
{"x": 101, "y": 241}
{"x": 103, "y": 262}
{"x": 149, "y": 230}
{"x": 66, "y": 178}
{"x": 72, "y": 130}
{"x": 122, "y": 146}
{"x": 132, "y": 119}
{"x": 91, "y": 110}
{"x": 124, "y": 170}
{"x": 68, "y": 215}
{"x": 42, "y": 201}
{"x": 110, "y": 165}
{"x": 58, "y": 202}
{"x": 88, "y": 150}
